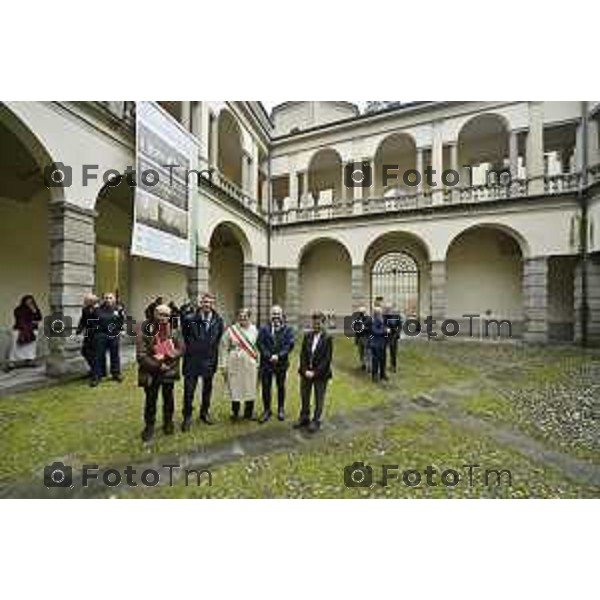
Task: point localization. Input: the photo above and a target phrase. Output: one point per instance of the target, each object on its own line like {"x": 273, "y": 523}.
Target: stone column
{"x": 306, "y": 188}
{"x": 579, "y": 148}
{"x": 454, "y": 166}
{"x": 265, "y": 295}
{"x": 359, "y": 297}
{"x": 513, "y": 155}
{"x": 186, "y": 115}
{"x": 535, "y": 149}
{"x": 293, "y": 188}
{"x": 198, "y": 275}
{"x": 593, "y": 143}
{"x": 535, "y": 299}
{"x": 437, "y": 164}
{"x": 439, "y": 299}
{"x": 593, "y": 301}
{"x": 72, "y": 236}
{"x": 292, "y": 297}
{"x": 214, "y": 141}
{"x": 250, "y": 288}
{"x": 419, "y": 167}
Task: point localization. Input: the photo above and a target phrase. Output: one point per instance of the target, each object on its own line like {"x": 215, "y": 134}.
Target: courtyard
{"x": 529, "y": 415}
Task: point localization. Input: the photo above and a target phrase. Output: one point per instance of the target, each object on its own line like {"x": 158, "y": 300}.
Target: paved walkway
{"x": 30, "y": 378}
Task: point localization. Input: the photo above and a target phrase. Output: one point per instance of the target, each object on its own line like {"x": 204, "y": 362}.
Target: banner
{"x": 165, "y": 153}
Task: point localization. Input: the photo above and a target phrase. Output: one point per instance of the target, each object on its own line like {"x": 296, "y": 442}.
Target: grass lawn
{"x": 425, "y": 439}
{"x": 80, "y": 425}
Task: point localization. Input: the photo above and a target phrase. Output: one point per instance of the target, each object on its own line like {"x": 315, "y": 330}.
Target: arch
{"x": 394, "y": 243}
{"x": 31, "y": 144}
{"x": 516, "y": 235}
{"x": 398, "y": 150}
{"x": 484, "y": 271}
{"x": 325, "y": 238}
{"x": 226, "y": 260}
{"x": 114, "y": 227}
{"x": 325, "y": 279}
{"x": 24, "y": 221}
{"x": 238, "y": 233}
{"x": 230, "y": 147}
{"x": 325, "y": 175}
{"x": 395, "y": 280}
{"x": 484, "y": 139}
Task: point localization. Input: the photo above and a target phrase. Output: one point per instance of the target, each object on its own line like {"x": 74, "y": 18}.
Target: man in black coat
{"x": 275, "y": 342}
{"x": 315, "y": 372}
{"x": 394, "y": 324}
{"x": 378, "y": 344}
{"x": 202, "y": 332}
{"x": 108, "y": 318}
{"x": 87, "y": 328}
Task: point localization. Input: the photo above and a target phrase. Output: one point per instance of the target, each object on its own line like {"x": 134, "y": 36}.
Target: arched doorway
{"x": 395, "y": 280}
{"x": 114, "y": 226}
{"x": 484, "y": 270}
{"x": 24, "y": 224}
{"x": 227, "y": 253}
{"x": 325, "y": 278}
{"x": 396, "y": 267}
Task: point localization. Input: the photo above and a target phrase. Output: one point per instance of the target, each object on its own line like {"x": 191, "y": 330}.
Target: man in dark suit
{"x": 393, "y": 323}
{"x": 362, "y": 330}
{"x": 315, "y": 372}
{"x": 275, "y": 342}
{"x": 202, "y": 332}
{"x": 108, "y": 319}
{"x": 378, "y": 344}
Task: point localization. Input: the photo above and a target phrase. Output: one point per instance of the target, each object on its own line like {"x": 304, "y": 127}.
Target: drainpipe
{"x": 582, "y": 197}
{"x": 269, "y": 217}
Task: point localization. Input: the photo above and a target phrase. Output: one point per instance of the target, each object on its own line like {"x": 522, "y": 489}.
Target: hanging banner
{"x": 165, "y": 154}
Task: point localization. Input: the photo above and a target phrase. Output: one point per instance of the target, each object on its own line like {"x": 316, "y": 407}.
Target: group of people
{"x": 242, "y": 352}
{"x": 376, "y": 336}
{"x": 194, "y": 343}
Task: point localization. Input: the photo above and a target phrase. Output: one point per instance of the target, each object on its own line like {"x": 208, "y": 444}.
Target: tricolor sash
{"x": 239, "y": 337}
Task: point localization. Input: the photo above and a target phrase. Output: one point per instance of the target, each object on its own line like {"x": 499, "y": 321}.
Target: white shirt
{"x": 315, "y": 341}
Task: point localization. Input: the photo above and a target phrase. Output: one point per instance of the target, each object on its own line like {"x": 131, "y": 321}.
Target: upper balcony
{"x": 486, "y": 163}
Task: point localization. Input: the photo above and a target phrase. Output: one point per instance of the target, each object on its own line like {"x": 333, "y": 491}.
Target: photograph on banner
{"x": 347, "y": 299}
{"x": 166, "y": 154}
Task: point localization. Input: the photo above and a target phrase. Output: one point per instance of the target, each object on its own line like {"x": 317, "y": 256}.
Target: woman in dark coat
{"x": 158, "y": 358}
{"x": 24, "y": 346}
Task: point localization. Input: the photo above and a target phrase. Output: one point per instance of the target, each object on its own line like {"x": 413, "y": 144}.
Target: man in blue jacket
{"x": 202, "y": 332}
{"x": 275, "y": 342}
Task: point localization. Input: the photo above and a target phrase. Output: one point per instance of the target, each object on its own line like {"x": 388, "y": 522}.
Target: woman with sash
{"x": 240, "y": 358}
